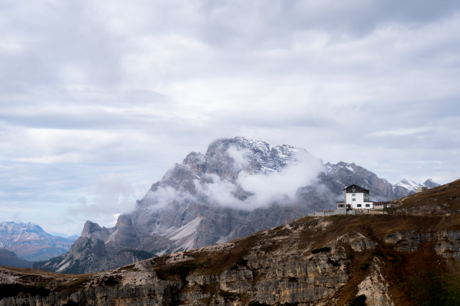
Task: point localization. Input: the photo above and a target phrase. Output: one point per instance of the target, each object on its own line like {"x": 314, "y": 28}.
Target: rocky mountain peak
{"x": 90, "y": 228}
{"x": 124, "y": 220}
{"x": 410, "y": 185}
{"x": 430, "y": 183}
{"x": 220, "y": 146}
{"x": 195, "y": 161}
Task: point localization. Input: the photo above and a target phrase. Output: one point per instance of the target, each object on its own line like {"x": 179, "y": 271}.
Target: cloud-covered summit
{"x": 241, "y": 173}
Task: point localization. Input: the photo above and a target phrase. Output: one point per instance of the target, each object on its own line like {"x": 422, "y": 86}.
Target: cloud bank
{"x": 94, "y": 87}
{"x": 113, "y": 197}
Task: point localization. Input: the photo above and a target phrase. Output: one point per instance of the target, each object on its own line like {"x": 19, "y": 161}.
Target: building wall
{"x": 360, "y": 199}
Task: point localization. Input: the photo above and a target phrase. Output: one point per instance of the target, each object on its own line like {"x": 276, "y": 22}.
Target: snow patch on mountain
{"x": 409, "y": 185}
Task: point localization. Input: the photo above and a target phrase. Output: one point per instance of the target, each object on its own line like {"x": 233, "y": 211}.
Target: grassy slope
{"x": 440, "y": 200}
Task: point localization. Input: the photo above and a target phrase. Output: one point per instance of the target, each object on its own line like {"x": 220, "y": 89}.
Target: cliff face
{"x": 389, "y": 259}
{"x": 216, "y": 197}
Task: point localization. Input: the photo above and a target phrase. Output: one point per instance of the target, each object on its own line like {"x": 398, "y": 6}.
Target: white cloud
{"x": 113, "y": 197}
{"x": 15, "y": 217}
{"x": 400, "y": 132}
{"x": 279, "y": 186}
{"x": 240, "y": 157}
{"x": 222, "y": 192}
{"x": 265, "y": 188}
{"x": 161, "y": 197}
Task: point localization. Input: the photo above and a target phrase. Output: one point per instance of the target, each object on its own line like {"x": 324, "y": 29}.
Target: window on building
{"x": 341, "y": 205}
{"x": 353, "y": 190}
{"x": 359, "y": 205}
{"x": 354, "y": 200}
{"x": 354, "y": 194}
{"x": 368, "y": 205}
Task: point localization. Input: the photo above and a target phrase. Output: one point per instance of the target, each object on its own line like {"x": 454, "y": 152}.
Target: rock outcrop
{"x": 311, "y": 261}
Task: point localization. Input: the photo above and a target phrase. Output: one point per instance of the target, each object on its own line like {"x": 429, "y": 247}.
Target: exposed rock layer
{"x": 312, "y": 261}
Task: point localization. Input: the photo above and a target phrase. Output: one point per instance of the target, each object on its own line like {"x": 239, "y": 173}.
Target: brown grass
{"x": 446, "y": 196}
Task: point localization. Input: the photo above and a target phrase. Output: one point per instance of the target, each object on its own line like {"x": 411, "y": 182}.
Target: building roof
{"x": 358, "y": 187}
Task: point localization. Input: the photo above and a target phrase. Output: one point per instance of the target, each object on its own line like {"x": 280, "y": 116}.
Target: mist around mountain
{"x": 30, "y": 242}
{"x": 238, "y": 187}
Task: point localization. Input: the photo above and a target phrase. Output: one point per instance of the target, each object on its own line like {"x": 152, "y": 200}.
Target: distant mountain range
{"x": 239, "y": 187}
{"x": 30, "y": 242}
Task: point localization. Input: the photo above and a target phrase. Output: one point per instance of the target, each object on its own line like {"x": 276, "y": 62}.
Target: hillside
{"x": 441, "y": 200}
{"x": 238, "y": 187}
{"x": 391, "y": 259}
{"x": 8, "y": 258}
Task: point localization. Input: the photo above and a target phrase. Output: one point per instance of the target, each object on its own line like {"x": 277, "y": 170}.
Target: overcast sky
{"x": 99, "y": 98}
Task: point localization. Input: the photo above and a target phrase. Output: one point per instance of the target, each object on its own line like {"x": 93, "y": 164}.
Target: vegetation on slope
{"x": 417, "y": 277}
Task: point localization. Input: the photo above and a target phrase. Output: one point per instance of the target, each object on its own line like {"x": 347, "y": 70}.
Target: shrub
{"x": 71, "y": 303}
{"x": 435, "y": 288}
{"x": 325, "y": 249}
{"x": 364, "y": 267}
{"x": 7, "y": 290}
{"x": 335, "y": 263}
{"x": 242, "y": 262}
{"x": 110, "y": 281}
{"x": 290, "y": 304}
{"x": 358, "y": 301}
{"x": 256, "y": 303}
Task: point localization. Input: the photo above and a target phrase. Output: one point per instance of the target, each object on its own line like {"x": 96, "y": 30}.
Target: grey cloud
{"x": 113, "y": 197}
{"x": 266, "y": 24}
{"x": 89, "y": 88}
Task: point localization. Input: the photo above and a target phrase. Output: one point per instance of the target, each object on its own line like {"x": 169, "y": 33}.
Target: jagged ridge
{"x": 179, "y": 213}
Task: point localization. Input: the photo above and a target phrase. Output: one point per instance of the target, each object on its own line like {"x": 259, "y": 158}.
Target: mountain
{"x": 31, "y": 242}
{"x": 429, "y": 183}
{"x": 8, "y": 258}
{"x": 68, "y": 237}
{"x": 406, "y": 187}
{"x": 396, "y": 259}
{"x": 238, "y": 187}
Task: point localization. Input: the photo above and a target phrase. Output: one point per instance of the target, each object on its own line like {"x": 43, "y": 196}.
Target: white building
{"x": 355, "y": 197}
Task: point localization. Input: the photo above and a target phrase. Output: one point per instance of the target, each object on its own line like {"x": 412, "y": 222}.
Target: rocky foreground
{"x": 384, "y": 259}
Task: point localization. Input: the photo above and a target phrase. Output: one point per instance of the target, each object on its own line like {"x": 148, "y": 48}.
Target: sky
{"x": 98, "y": 99}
